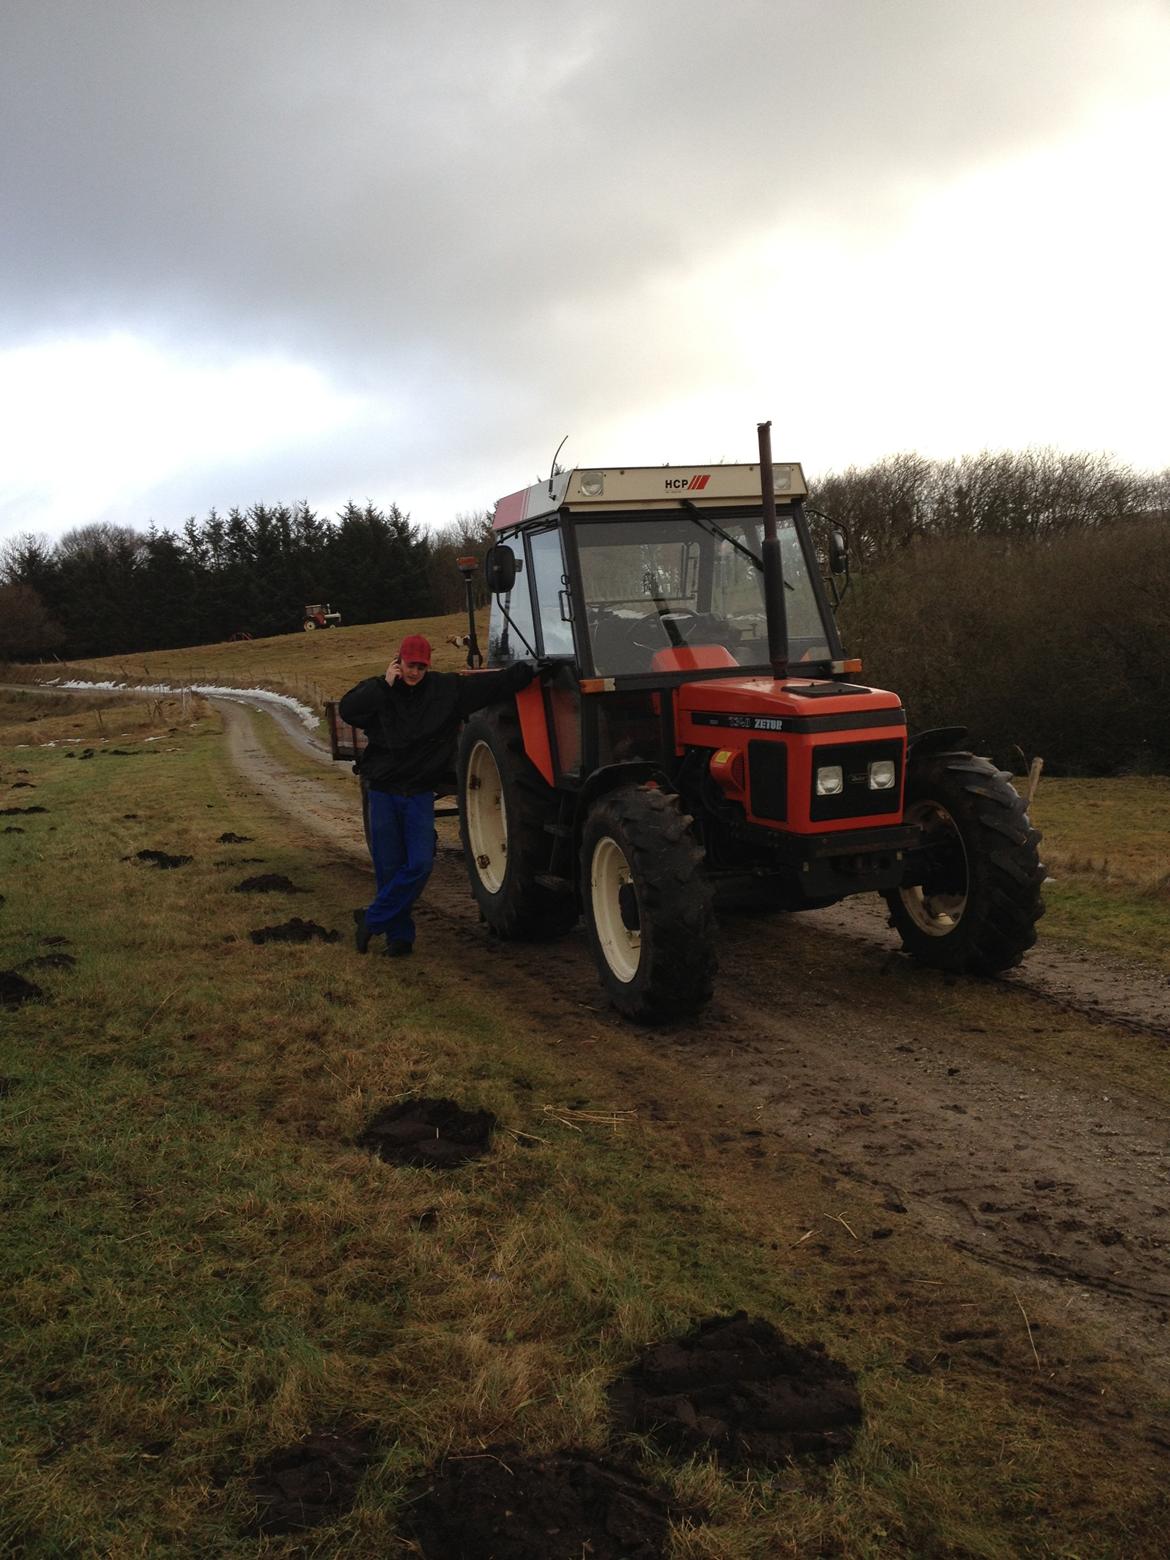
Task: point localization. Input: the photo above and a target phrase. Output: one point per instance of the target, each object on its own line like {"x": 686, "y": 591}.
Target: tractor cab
{"x": 619, "y": 571}
{"x": 698, "y": 737}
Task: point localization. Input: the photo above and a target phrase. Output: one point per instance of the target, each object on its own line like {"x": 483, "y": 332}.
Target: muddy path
{"x": 1027, "y": 1165}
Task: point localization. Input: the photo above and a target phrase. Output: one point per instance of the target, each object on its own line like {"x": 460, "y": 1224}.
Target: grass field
{"x": 200, "y": 1266}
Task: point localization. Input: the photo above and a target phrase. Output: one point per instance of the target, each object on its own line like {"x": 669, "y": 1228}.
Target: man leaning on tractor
{"x": 411, "y": 717}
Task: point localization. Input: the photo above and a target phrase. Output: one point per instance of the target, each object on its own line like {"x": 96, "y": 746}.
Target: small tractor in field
{"x": 319, "y": 614}
{"x": 698, "y": 736}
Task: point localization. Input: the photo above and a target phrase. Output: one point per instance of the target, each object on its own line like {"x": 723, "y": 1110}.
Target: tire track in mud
{"x": 1029, "y": 1170}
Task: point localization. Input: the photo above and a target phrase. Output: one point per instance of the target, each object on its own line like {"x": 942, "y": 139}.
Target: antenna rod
{"x": 553, "y": 468}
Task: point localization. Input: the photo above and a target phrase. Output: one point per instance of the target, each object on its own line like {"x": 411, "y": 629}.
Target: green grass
{"x": 199, "y": 1265}
{"x": 1107, "y": 848}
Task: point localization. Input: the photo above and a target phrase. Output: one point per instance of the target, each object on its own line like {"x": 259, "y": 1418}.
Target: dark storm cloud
{"x": 416, "y": 196}
{"x": 389, "y": 176}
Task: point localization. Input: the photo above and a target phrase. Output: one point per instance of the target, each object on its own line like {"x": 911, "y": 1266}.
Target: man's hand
{"x": 394, "y": 671}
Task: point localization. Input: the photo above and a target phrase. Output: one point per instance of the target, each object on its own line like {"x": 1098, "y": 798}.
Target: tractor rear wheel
{"x": 976, "y": 908}
{"x": 648, "y": 905}
{"x": 309, "y": 625}
{"x": 504, "y": 805}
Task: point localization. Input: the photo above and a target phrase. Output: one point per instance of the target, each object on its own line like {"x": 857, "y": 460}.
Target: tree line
{"x": 104, "y": 589}
{"x": 1023, "y": 594}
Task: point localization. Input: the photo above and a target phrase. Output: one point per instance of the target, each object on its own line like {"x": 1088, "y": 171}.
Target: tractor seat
{"x": 691, "y": 658}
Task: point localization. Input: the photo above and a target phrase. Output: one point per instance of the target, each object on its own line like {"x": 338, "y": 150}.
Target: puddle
{"x": 433, "y": 1134}
{"x": 737, "y": 1390}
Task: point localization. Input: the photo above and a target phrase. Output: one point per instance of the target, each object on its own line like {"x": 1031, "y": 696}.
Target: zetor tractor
{"x": 698, "y": 736}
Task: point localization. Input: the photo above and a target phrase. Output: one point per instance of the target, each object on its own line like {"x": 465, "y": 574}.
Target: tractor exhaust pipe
{"x": 774, "y": 604}
{"x": 467, "y": 567}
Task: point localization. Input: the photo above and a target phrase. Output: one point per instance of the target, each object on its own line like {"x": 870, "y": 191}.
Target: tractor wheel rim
{"x": 487, "y": 818}
{"x": 609, "y": 874}
{"x": 937, "y": 913}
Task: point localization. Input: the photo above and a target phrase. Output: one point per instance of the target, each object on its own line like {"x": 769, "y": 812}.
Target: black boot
{"x": 361, "y": 931}
{"x": 399, "y": 950}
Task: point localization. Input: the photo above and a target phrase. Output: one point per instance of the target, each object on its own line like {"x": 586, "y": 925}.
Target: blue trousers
{"x": 402, "y": 846}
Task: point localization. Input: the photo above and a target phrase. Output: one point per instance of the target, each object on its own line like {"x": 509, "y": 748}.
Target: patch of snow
{"x": 307, "y": 716}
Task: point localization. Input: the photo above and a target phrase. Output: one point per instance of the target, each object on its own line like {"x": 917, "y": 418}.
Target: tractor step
{"x": 557, "y": 885}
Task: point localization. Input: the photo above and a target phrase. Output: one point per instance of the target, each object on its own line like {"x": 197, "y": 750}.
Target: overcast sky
{"x": 265, "y": 250}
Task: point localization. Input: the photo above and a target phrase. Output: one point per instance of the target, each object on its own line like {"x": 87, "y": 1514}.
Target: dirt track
{"x": 1031, "y": 1167}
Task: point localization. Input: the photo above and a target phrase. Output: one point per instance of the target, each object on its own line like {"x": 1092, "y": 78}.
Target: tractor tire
{"x": 504, "y": 805}
{"x": 648, "y": 905}
{"x": 309, "y": 625}
{"x": 977, "y": 910}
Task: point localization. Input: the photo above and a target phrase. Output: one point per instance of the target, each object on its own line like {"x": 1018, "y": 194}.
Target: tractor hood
{"x": 760, "y": 704}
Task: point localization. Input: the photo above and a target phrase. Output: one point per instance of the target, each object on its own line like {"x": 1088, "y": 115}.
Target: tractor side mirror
{"x": 499, "y": 569}
{"x": 838, "y": 552}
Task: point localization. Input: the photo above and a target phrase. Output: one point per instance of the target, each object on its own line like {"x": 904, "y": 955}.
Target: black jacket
{"x": 412, "y": 731}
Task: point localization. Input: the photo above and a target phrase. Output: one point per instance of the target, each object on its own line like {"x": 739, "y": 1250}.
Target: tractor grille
{"x": 768, "y": 779}
{"x": 856, "y": 800}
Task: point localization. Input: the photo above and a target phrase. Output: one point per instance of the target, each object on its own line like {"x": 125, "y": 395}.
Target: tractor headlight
{"x": 830, "y": 780}
{"x": 882, "y": 774}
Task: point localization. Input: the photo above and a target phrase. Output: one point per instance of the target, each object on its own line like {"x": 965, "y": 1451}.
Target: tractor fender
{"x": 602, "y": 781}
{"x": 942, "y": 739}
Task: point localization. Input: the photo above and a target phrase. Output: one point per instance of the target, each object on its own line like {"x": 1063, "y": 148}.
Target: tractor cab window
{"x": 511, "y": 635}
{"x": 655, "y": 586}
{"x": 552, "y": 594}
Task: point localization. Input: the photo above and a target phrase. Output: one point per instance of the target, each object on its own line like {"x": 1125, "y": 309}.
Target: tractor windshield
{"x": 651, "y": 586}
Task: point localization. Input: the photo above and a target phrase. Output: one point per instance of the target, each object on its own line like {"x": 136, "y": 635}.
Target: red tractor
{"x": 319, "y": 614}
{"x": 699, "y": 734}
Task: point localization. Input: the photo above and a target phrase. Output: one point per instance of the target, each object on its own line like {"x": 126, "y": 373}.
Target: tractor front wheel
{"x": 648, "y": 905}
{"x": 504, "y": 807}
{"x": 976, "y": 901}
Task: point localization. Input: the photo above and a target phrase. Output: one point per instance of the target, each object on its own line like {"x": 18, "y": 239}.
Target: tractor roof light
{"x": 784, "y": 476}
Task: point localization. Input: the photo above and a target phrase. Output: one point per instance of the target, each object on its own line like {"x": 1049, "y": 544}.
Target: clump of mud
{"x": 432, "y": 1134}
{"x": 234, "y": 839}
{"x": 22, "y": 785}
{"x": 501, "y": 1505}
{"x": 13, "y": 828}
{"x": 160, "y": 859}
{"x": 20, "y": 812}
{"x": 311, "y": 1483}
{"x": 50, "y": 961}
{"x": 737, "y": 1390}
{"x": 56, "y": 942}
{"x": 15, "y": 990}
{"x": 268, "y": 883}
{"x": 295, "y": 930}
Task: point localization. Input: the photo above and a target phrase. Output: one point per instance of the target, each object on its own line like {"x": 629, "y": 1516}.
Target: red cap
{"x": 415, "y": 648}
